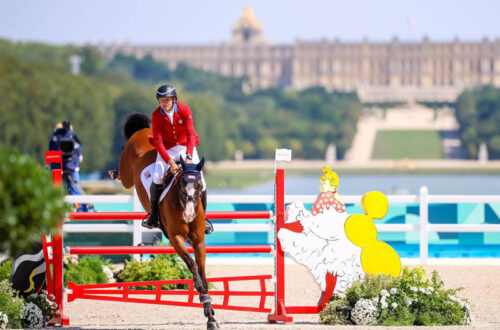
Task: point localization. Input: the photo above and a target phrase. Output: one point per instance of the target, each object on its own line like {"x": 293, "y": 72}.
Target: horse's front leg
{"x": 206, "y": 300}
{"x": 199, "y": 279}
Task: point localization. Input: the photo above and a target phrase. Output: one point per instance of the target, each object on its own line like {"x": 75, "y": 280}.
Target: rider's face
{"x": 166, "y": 103}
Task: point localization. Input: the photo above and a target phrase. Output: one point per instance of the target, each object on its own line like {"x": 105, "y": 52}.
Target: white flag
{"x": 283, "y": 155}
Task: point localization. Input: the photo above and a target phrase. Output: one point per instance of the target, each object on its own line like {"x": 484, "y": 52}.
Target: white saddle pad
{"x": 147, "y": 179}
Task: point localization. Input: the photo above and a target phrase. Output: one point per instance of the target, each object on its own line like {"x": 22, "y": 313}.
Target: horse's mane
{"x": 135, "y": 122}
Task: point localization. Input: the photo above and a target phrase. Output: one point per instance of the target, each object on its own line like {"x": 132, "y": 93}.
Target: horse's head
{"x": 190, "y": 188}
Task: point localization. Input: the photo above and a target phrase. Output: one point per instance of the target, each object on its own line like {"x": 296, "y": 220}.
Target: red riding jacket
{"x": 181, "y": 132}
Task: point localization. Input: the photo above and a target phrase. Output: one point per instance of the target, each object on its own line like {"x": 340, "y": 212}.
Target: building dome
{"x": 247, "y": 28}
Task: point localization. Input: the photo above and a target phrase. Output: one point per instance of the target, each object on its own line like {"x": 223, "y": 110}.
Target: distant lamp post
{"x": 331, "y": 153}
{"x": 238, "y": 155}
{"x": 75, "y": 61}
{"x": 482, "y": 155}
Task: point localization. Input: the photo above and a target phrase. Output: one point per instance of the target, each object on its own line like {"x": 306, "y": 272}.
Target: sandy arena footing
{"x": 481, "y": 286}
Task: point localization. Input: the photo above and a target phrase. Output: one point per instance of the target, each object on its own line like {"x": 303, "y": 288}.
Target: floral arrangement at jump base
{"x": 31, "y": 312}
{"x": 409, "y": 299}
{"x": 87, "y": 270}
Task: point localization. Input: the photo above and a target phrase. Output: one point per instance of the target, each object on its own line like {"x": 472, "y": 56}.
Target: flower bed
{"x": 410, "y": 299}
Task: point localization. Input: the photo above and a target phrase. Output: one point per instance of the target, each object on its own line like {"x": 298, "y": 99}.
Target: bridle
{"x": 189, "y": 176}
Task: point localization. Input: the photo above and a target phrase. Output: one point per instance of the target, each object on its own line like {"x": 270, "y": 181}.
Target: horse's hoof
{"x": 212, "y": 325}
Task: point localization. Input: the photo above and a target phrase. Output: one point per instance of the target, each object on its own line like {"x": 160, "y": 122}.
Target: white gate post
{"x": 424, "y": 222}
{"x": 137, "y": 234}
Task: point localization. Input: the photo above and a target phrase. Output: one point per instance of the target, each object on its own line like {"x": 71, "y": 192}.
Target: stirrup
{"x": 146, "y": 222}
{"x": 209, "y": 227}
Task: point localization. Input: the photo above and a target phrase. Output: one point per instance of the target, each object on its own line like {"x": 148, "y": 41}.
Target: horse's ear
{"x": 183, "y": 163}
{"x": 200, "y": 164}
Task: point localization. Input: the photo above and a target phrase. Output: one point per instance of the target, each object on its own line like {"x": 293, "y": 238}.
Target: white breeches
{"x": 161, "y": 167}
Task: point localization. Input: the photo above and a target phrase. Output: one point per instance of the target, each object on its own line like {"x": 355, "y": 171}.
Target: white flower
{"x": 4, "y": 320}
{"x": 421, "y": 290}
{"x": 375, "y": 300}
{"x": 408, "y": 302}
{"x": 109, "y": 274}
{"x": 383, "y": 304}
{"x": 468, "y": 314}
{"x": 414, "y": 289}
{"x": 33, "y": 317}
{"x": 416, "y": 300}
{"x": 457, "y": 300}
{"x": 393, "y": 290}
{"x": 364, "y": 312}
{"x": 430, "y": 289}
{"x": 384, "y": 293}
{"x": 394, "y": 305}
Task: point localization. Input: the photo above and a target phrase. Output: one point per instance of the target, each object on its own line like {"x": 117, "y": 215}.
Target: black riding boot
{"x": 209, "y": 228}
{"x": 152, "y": 221}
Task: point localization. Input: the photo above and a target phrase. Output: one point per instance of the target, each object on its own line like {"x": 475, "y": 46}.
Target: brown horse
{"x": 182, "y": 218}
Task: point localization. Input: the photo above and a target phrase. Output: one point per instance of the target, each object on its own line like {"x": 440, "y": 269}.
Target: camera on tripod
{"x": 67, "y": 146}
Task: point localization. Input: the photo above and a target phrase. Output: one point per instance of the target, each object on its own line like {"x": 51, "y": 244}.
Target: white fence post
{"x": 137, "y": 234}
{"x": 424, "y": 222}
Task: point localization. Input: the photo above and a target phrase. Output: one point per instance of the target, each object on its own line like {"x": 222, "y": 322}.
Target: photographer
{"x": 66, "y": 140}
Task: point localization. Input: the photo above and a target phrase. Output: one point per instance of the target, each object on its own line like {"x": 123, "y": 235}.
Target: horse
{"x": 182, "y": 217}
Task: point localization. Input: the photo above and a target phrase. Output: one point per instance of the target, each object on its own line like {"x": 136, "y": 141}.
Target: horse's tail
{"x": 135, "y": 122}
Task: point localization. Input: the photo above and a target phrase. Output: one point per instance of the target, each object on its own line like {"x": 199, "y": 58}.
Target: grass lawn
{"x": 408, "y": 144}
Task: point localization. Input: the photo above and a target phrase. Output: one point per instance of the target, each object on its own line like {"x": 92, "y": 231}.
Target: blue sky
{"x": 202, "y": 22}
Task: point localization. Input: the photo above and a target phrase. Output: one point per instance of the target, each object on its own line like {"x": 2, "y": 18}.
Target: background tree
{"x": 30, "y": 205}
{"x": 478, "y": 113}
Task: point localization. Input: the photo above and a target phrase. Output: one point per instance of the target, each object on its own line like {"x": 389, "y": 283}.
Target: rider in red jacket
{"x": 174, "y": 136}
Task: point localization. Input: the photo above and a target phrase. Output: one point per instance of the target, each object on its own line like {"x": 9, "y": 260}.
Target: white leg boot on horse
{"x": 154, "y": 218}
{"x": 209, "y": 228}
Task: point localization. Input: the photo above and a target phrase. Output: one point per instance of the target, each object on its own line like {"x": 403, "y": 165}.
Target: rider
{"x": 174, "y": 136}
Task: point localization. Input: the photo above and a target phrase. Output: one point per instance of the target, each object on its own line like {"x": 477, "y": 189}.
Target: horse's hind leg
{"x": 199, "y": 278}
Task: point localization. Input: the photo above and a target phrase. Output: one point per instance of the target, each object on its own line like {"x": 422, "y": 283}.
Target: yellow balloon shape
{"x": 375, "y": 204}
{"x": 360, "y": 230}
{"x": 380, "y": 258}
{"x": 377, "y": 257}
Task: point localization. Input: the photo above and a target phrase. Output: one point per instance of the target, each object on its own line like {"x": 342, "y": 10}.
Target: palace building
{"x": 378, "y": 71}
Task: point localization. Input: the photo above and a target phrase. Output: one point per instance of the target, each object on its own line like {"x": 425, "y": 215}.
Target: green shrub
{"x": 29, "y": 203}
{"x": 163, "y": 267}
{"x": 410, "y": 299}
{"x": 368, "y": 288}
{"x": 336, "y": 312}
{"x": 5, "y": 269}
{"x": 11, "y": 305}
{"x": 85, "y": 270}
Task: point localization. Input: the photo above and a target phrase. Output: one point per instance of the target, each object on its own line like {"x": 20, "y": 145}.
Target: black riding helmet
{"x": 166, "y": 91}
